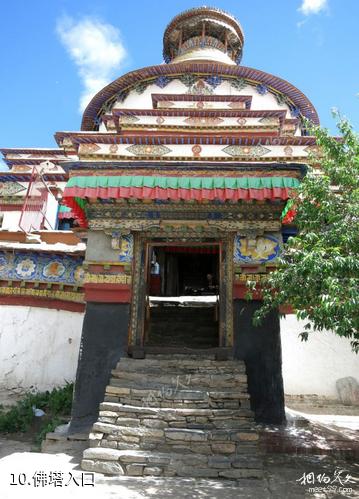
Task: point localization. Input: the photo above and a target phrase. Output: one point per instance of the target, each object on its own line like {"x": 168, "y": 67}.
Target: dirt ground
{"x": 313, "y": 456}
{"x": 37, "y": 475}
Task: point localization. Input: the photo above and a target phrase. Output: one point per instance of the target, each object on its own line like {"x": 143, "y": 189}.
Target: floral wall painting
{"x": 25, "y": 268}
{"x": 62, "y": 269}
{"x": 126, "y": 248}
{"x": 54, "y": 269}
{"x": 261, "y": 249}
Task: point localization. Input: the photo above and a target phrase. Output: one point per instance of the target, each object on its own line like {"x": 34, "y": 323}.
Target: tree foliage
{"x": 318, "y": 273}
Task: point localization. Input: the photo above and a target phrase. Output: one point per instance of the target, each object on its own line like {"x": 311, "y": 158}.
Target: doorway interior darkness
{"x": 182, "y": 296}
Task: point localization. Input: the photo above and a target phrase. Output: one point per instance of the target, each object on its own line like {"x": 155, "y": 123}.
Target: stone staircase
{"x": 183, "y": 326}
{"x": 175, "y": 415}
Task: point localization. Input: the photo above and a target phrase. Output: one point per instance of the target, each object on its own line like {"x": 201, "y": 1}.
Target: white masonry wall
{"x": 312, "y": 367}
{"x": 10, "y": 220}
{"x": 38, "y": 349}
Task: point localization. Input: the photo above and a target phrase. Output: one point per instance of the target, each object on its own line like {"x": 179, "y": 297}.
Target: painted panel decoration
{"x": 126, "y": 248}
{"x": 200, "y": 42}
{"x": 214, "y": 80}
{"x": 198, "y": 105}
{"x": 269, "y": 121}
{"x": 162, "y": 81}
{"x": 110, "y": 125}
{"x": 88, "y": 148}
{"x": 140, "y": 87}
{"x": 260, "y": 249}
{"x": 41, "y": 267}
{"x": 113, "y": 148}
{"x": 148, "y": 150}
{"x": 123, "y": 243}
{"x": 121, "y": 96}
{"x": 294, "y": 111}
{"x": 21, "y": 169}
{"x": 237, "y": 105}
{"x": 10, "y": 188}
{"x": 262, "y": 89}
{"x": 238, "y": 83}
{"x": 206, "y": 120}
{"x": 200, "y": 88}
{"x": 127, "y": 118}
{"x": 288, "y": 151}
{"x": 188, "y": 79}
{"x": 165, "y": 104}
{"x": 255, "y": 151}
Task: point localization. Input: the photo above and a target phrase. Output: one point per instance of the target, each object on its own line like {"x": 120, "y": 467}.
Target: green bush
{"x": 60, "y": 400}
{"x": 49, "y": 427}
{"x": 20, "y": 417}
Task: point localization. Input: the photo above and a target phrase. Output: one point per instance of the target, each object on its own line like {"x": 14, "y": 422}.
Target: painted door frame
{"x": 142, "y": 243}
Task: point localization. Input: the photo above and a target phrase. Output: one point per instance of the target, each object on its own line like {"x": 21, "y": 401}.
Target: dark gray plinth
{"x": 103, "y": 342}
{"x": 260, "y": 348}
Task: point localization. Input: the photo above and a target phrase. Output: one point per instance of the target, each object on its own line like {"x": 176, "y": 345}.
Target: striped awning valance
{"x": 81, "y": 188}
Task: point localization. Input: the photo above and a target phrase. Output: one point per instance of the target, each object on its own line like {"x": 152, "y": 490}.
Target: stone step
{"x": 202, "y": 341}
{"x": 174, "y": 385}
{"x": 189, "y": 358}
{"x": 181, "y": 422}
{"x": 176, "y": 414}
{"x": 173, "y": 414}
{"x": 158, "y": 379}
{"x": 172, "y": 397}
{"x": 196, "y": 315}
{"x": 182, "y": 365}
{"x": 176, "y": 371}
{"x": 56, "y": 443}
{"x": 144, "y": 463}
{"x": 198, "y": 337}
{"x": 185, "y": 440}
{"x": 170, "y": 329}
{"x": 181, "y": 356}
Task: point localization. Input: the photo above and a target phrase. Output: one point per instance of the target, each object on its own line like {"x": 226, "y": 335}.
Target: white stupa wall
{"x": 144, "y": 101}
{"x": 312, "y": 367}
{"x": 39, "y": 349}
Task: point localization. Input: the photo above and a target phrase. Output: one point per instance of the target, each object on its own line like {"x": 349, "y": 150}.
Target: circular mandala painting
{"x": 54, "y": 270}
{"x": 79, "y": 274}
{"x": 25, "y": 268}
{"x": 3, "y": 264}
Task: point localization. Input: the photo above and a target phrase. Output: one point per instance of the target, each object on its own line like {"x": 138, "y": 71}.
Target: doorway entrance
{"x": 182, "y": 277}
{"x": 182, "y": 296}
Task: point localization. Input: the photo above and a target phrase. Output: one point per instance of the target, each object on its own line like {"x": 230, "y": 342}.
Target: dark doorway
{"x": 182, "y": 302}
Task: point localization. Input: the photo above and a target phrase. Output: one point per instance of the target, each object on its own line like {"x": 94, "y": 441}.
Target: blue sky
{"x": 51, "y": 64}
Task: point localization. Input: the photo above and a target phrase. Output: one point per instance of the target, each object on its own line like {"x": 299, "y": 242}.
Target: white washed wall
{"x": 312, "y": 367}
{"x": 11, "y": 220}
{"x": 38, "y": 349}
{"x": 144, "y": 100}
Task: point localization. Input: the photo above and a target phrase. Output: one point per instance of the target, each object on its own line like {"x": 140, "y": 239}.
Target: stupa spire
{"x": 203, "y": 33}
